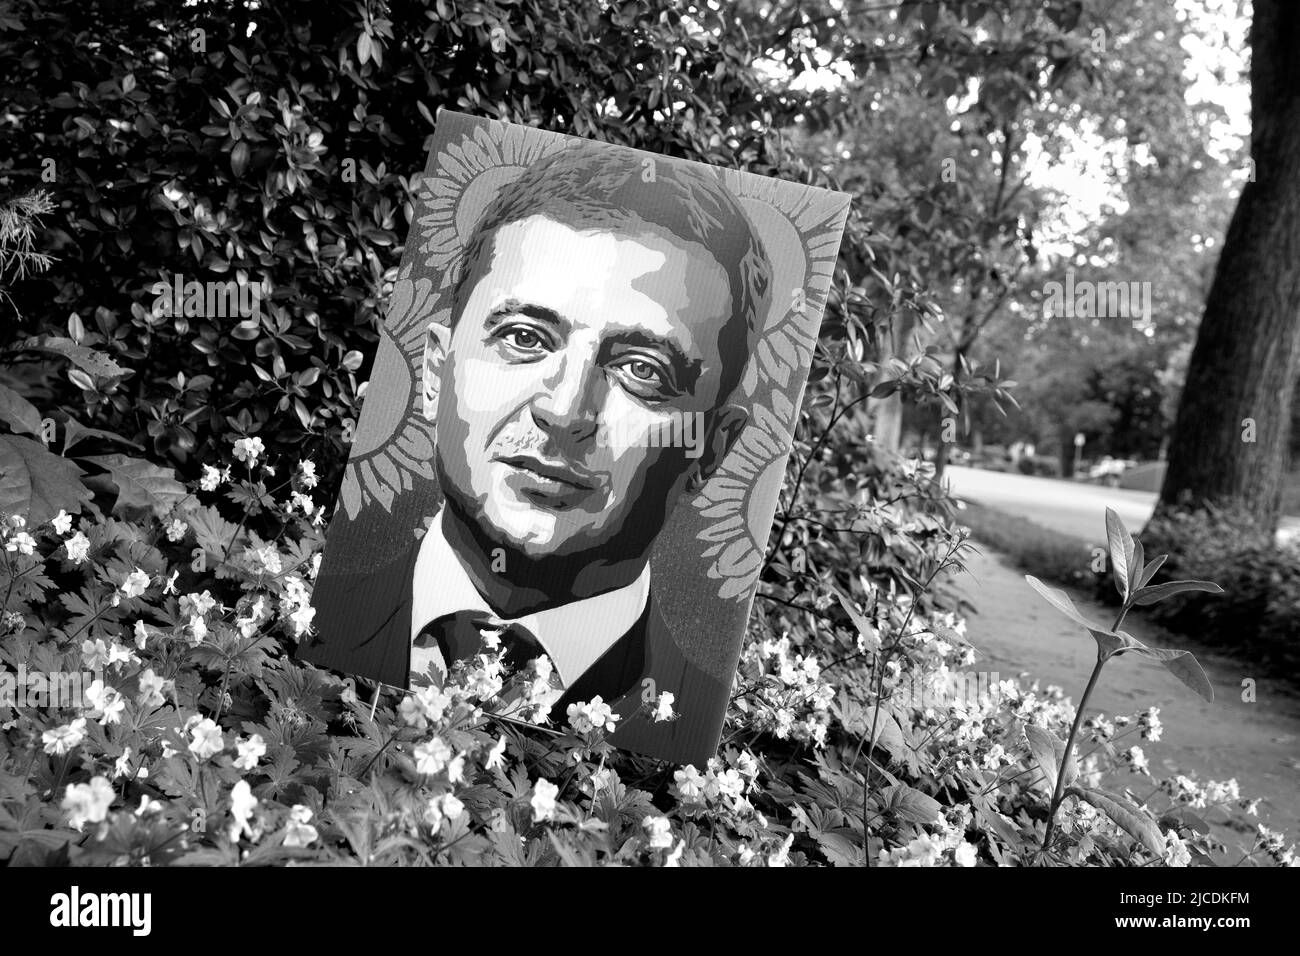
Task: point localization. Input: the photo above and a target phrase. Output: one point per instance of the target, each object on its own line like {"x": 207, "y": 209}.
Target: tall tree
{"x": 1230, "y": 438}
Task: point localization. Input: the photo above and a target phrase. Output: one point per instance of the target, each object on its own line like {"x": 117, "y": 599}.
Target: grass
{"x": 1048, "y": 554}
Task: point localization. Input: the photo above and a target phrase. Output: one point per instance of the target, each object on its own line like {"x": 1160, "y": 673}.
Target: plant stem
{"x": 1074, "y": 730}
{"x": 221, "y": 699}
{"x": 1057, "y": 794}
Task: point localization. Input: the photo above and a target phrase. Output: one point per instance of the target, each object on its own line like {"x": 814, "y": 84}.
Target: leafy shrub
{"x": 275, "y": 145}
{"x": 202, "y": 741}
{"x": 1259, "y": 613}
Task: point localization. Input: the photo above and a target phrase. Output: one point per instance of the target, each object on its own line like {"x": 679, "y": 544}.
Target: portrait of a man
{"x": 584, "y": 384}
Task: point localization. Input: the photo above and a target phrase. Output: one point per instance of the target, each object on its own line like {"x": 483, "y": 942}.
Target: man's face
{"x": 575, "y": 355}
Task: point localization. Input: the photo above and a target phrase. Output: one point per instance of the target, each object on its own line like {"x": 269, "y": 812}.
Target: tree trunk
{"x": 1247, "y": 351}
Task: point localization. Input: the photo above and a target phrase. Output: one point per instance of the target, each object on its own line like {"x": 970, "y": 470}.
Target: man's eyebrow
{"x": 686, "y": 370}
{"x": 510, "y": 307}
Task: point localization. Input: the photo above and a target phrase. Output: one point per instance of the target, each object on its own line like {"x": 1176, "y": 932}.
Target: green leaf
{"x": 97, "y": 364}
{"x": 1151, "y": 570}
{"x": 141, "y": 484}
{"x": 1061, "y": 601}
{"x": 865, "y": 630}
{"x": 21, "y": 415}
{"x": 889, "y": 736}
{"x": 911, "y": 804}
{"x": 1135, "y": 566}
{"x": 1132, "y": 819}
{"x": 37, "y": 483}
{"x": 1049, "y": 752}
{"x": 1121, "y": 550}
{"x": 74, "y": 433}
{"x": 1158, "y": 592}
{"x": 1183, "y": 665}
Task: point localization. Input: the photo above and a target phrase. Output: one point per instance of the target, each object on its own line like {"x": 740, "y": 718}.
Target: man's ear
{"x": 436, "y": 343}
{"x": 729, "y": 421}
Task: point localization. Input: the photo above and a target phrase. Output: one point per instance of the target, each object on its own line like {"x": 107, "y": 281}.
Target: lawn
{"x": 1041, "y": 551}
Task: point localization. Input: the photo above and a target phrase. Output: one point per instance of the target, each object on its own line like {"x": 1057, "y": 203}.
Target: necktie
{"x": 459, "y": 636}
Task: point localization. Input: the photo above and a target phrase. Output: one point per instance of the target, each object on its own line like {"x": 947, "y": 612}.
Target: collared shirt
{"x": 574, "y": 635}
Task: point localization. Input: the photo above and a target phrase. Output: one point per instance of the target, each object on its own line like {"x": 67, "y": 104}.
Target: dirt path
{"x": 1018, "y": 633}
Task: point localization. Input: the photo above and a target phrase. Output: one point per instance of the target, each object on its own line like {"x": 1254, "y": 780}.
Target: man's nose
{"x": 568, "y": 405}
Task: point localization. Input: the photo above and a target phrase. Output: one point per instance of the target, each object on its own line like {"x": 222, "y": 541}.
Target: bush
{"x": 275, "y": 145}
{"x": 1259, "y": 615}
{"x": 201, "y": 741}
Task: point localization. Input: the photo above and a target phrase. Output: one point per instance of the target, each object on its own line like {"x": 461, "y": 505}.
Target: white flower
{"x": 88, "y": 803}
{"x": 1176, "y": 852}
{"x": 299, "y": 831}
{"x": 197, "y": 604}
{"x": 307, "y": 472}
{"x": 664, "y": 707}
{"x": 242, "y": 804}
{"x": 206, "y": 740}
{"x": 301, "y": 618}
{"x": 141, "y": 634}
{"x": 690, "y": 784}
{"x": 543, "y": 800}
{"x": 135, "y": 584}
{"x": 496, "y": 756}
{"x": 432, "y": 756}
{"x": 782, "y": 855}
{"x": 746, "y": 763}
{"x": 1149, "y": 724}
{"x": 586, "y": 717}
{"x": 249, "y": 449}
{"x": 63, "y": 738}
{"x": 675, "y": 857}
{"x": 965, "y": 854}
{"x": 123, "y": 764}
{"x": 427, "y": 704}
{"x": 1139, "y": 760}
{"x": 660, "y": 832}
{"x": 211, "y": 478}
{"x": 105, "y": 701}
{"x": 250, "y": 752}
{"x": 270, "y": 559}
{"x": 94, "y": 654}
{"x": 452, "y": 808}
{"x": 176, "y": 530}
{"x": 22, "y": 541}
{"x": 62, "y": 522}
{"x": 78, "y": 548}
{"x": 119, "y": 653}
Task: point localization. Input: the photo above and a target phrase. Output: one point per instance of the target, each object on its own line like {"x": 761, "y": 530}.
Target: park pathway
{"x": 1070, "y": 507}
{"x": 1016, "y": 633}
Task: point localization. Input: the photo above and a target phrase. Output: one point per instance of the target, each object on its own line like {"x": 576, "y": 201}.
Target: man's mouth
{"x": 556, "y": 474}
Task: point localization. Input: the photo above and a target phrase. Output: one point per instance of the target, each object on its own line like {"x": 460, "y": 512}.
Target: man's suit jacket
{"x": 363, "y": 627}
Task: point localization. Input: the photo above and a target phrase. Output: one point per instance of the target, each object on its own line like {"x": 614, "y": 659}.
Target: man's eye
{"x": 643, "y": 371}
{"x": 646, "y": 379}
{"x": 523, "y": 338}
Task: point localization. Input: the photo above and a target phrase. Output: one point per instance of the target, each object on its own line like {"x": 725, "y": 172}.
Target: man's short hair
{"x": 592, "y": 186}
